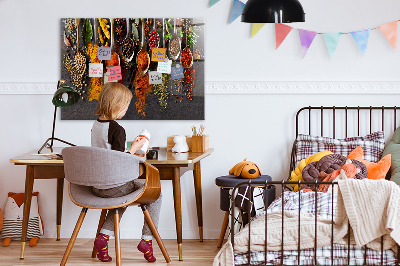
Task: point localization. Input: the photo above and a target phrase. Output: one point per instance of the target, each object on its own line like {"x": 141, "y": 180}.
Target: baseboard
{"x": 247, "y": 87}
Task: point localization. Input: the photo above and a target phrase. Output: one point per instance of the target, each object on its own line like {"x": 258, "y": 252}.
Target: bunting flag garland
{"x": 281, "y": 31}
{"x": 332, "y": 41}
{"x": 256, "y": 28}
{"x": 389, "y": 30}
{"x": 237, "y": 8}
{"x": 213, "y": 2}
{"x": 361, "y": 38}
{"x": 306, "y": 39}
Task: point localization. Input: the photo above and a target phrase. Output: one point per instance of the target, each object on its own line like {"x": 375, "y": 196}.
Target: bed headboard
{"x": 344, "y": 121}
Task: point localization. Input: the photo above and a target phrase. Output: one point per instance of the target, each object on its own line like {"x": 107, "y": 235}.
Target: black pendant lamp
{"x": 273, "y": 11}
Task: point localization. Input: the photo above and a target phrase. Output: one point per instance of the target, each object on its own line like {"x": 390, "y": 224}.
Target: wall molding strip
{"x": 251, "y": 87}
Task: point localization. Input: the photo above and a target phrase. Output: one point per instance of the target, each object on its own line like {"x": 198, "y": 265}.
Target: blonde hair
{"x": 113, "y": 98}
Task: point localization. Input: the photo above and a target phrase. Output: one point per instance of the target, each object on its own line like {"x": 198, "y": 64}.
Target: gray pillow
{"x": 393, "y": 148}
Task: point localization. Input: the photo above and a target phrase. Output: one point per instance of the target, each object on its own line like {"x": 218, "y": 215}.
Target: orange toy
{"x": 12, "y": 222}
{"x": 375, "y": 170}
{"x": 245, "y": 169}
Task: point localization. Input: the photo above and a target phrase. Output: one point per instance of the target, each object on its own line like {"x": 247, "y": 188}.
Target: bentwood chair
{"x": 85, "y": 167}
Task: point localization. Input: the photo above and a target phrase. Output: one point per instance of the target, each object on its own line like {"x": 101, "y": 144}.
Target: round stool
{"x": 226, "y": 183}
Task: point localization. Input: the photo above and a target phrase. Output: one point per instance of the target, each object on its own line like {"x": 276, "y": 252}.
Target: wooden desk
{"x": 169, "y": 165}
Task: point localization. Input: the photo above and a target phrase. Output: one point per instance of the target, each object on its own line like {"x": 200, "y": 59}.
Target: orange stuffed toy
{"x": 245, "y": 169}
{"x": 375, "y": 170}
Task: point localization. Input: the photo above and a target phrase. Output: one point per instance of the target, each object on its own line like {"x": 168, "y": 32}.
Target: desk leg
{"x": 199, "y": 204}
{"x": 27, "y": 206}
{"x": 176, "y": 182}
{"x": 60, "y": 190}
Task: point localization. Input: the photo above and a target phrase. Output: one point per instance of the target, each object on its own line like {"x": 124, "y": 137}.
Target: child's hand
{"x": 143, "y": 155}
{"x": 137, "y": 144}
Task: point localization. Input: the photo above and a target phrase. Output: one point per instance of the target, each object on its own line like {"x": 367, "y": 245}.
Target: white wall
{"x": 259, "y": 126}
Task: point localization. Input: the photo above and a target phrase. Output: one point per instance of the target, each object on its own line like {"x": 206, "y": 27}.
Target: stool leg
{"x": 101, "y": 222}
{"x": 223, "y": 229}
{"x": 117, "y": 239}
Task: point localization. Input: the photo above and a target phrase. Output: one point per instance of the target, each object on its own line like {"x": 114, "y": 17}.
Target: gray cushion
{"x": 393, "y": 148}
{"x": 83, "y": 196}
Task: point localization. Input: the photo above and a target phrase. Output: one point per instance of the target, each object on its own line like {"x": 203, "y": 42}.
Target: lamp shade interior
{"x": 65, "y": 96}
{"x": 273, "y": 11}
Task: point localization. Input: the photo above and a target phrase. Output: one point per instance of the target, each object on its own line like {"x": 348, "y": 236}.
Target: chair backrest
{"x": 92, "y": 166}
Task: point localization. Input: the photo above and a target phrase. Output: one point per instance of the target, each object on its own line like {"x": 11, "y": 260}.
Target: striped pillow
{"x": 372, "y": 145}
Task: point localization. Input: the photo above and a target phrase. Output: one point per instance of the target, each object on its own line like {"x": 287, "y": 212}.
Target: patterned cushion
{"x": 372, "y": 144}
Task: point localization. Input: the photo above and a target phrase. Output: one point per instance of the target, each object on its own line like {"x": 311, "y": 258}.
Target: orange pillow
{"x": 375, "y": 170}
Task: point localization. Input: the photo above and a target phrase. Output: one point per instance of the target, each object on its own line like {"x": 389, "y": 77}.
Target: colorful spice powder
{"x": 142, "y": 89}
{"x": 189, "y": 82}
{"x": 143, "y": 60}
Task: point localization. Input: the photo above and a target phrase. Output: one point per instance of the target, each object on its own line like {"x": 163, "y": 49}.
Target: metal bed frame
{"x": 284, "y": 184}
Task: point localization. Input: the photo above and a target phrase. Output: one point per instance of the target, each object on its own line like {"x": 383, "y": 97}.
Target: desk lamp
{"x": 64, "y": 96}
{"x": 272, "y": 11}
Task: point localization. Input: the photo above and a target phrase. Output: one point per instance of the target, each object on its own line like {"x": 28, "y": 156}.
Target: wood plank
{"x": 49, "y": 252}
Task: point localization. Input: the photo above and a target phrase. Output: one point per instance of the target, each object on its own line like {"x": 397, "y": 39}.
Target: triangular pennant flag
{"x": 361, "y": 37}
{"x": 237, "y": 9}
{"x": 306, "y": 39}
{"x": 281, "y": 31}
{"x": 390, "y": 32}
{"x": 255, "y": 28}
{"x": 213, "y": 2}
{"x": 332, "y": 41}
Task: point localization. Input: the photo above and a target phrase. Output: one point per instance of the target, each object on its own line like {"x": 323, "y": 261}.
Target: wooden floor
{"x": 50, "y": 252}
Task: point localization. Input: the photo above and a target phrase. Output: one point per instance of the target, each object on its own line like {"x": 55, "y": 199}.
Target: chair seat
{"x": 83, "y": 196}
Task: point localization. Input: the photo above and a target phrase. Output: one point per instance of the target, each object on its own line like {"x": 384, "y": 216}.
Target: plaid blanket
{"x": 323, "y": 205}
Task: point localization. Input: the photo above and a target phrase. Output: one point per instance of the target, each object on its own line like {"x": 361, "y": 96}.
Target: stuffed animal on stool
{"x": 13, "y": 215}
{"x": 245, "y": 169}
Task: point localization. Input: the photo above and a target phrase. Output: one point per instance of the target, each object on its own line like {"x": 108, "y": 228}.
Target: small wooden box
{"x": 171, "y": 143}
{"x": 200, "y": 143}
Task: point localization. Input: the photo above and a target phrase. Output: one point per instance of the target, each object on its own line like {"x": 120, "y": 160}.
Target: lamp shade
{"x": 65, "y": 96}
{"x": 273, "y": 11}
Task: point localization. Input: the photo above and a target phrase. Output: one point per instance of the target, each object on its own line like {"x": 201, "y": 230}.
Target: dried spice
{"x": 143, "y": 60}
{"x": 114, "y": 61}
{"x": 186, "y": 58}
{"x": 74, "y": 68}
{"x": 189, "y": 82}
{"x": 87, "y": 32}
{"x": 154, "y": 39}
{"x": 174, "y": 46}
{"x": 127, "y": 47}
{"x": 95, "y": 86}
{"x": 119, "y": 29}
{"x": 161, "y": 90}
{"x": 142, "y": 89}
{"x": 96, "y": 83}
{"x": 70, "y": 34}
{"x": 105, "y": 27}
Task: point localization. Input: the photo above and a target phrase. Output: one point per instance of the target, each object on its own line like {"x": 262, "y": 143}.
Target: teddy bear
{"x": 13, "y": 215}
{"x": 180, "y": 144}
{"x": 245, "y": 169}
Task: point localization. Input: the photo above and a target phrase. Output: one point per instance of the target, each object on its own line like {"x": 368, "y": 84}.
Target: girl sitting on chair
{"x": 113, "y": 103}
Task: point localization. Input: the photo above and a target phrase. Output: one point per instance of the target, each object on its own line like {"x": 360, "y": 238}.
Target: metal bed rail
{"x": 359, "y": 111}
{"x": 265, "y": 185}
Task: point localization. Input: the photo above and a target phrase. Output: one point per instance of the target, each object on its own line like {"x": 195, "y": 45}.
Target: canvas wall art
{"x": 161, "y": 60}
